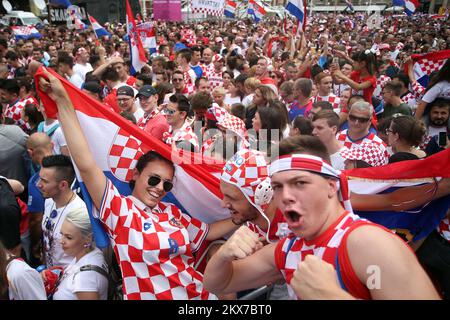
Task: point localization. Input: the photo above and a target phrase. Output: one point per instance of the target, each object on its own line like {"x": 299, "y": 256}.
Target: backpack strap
{"x": 92, "y": 267}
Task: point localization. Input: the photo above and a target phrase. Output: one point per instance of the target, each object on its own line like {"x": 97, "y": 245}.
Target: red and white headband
{"x": 313, "y": 164}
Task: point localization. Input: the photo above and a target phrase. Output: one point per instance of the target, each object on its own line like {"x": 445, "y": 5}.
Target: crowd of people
{"x": 285, "y": 110}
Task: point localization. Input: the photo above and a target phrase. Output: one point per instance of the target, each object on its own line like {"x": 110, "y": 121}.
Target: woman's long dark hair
{"x": 369, "y": 58}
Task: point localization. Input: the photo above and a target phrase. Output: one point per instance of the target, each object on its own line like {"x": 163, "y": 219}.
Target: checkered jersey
{"x": 324, "y": 247}
{"x": 444, "y": 229}
{"x": 185, "y": 133}
{"x": 215, "y": 79}
{"x": 123, "y": 155}
{"x": 332, "y": 98}
{"x": 153, "y": 247}
{"x": 278, "y": 228}
{"x": 207, "y": 69}
{"x": 381, "y": 82}
{"x": 345, "y": 140}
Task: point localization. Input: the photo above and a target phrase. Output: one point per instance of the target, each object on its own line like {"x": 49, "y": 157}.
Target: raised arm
{"x": 401, "y": 199}
{"x": 91, "y": 174}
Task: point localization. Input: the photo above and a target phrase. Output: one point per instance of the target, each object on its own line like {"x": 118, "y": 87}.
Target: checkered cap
{"x": 247, "y": 170}
{"x": 367, "y": 152}
{"x": 228, "y": 121}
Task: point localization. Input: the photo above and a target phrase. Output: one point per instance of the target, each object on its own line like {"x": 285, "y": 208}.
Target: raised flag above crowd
{"x": 137, "y": 52}
{"x": 98, "y": 29}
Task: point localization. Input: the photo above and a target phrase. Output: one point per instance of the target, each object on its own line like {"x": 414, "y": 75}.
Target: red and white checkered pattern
{"x": 14, "y": 112}
{"x": 142, "y": 122}
{"x": 324, "y": 247}
{"x": 367, "y": 152}
{"x": 381, "y": 82}
{"x": 227, "y": 121}
{"x": 185, "y": 133}
{"x": 444, "y": 229}
{"x": 332, "y": 98}
{"x": 154, "y": 248}
{"x": 123, "y": 155}
{"x": 207, "y": 69}
{"x": 345, "y": 140}
{"x": 246, "y": 170}
{"x": 215, "y": 79}
{"x": 429, "y": 66}
{"x": 217, "y": 13}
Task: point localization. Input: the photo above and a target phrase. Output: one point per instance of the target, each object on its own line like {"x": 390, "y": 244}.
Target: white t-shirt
{"x": 338, "y": 161}
{"x": 24, "y": 282}
{"x": 76, "y": 80}
{"x": 439, "y": 90}
{"x": 230, "y": 100}
{"x": 82, "y": 69}
{"x": 53, "y": 252}
{"x": 432, "y": 131}
{"x": 57, "y": 137}
{"x": 74, "y": 280}
{"x": 248, "y": 100}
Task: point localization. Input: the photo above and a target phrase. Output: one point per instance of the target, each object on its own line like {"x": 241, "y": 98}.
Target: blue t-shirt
{"x": 35, "y": 199}
{"x": 198, "y": 70}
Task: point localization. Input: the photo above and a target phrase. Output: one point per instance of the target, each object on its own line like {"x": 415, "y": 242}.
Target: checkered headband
{"x": 313, "y": 164}
{"x": 249, "y": 171}
{"x": 367, "y": 152}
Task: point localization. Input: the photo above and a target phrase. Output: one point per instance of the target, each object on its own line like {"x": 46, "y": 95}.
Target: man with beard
{"x": 437, "y": 121}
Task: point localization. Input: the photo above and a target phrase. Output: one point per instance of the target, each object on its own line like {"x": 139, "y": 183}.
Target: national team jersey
{"x": 346, "y": 141}
{"x": 291, "y": 250}
{"x": 215, "y": 80}
{"x": 331, "y": 98}
{"x": 154, "y": 247}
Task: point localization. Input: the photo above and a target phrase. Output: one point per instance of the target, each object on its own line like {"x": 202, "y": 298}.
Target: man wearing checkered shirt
{"x": 358, "y": 129}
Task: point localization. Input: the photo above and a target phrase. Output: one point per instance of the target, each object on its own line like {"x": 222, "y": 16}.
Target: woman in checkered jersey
{"x": 153, "y": 241}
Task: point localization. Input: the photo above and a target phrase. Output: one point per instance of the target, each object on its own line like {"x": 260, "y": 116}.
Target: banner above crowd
{"x": 210, "y": 7}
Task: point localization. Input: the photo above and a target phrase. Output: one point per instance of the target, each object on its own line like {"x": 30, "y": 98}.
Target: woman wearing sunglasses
{"x": 153, "y": 241}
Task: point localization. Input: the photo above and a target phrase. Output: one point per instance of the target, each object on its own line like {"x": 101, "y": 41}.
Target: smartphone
{"x": 442, "y": 141}
{"x": 336, "y": 60}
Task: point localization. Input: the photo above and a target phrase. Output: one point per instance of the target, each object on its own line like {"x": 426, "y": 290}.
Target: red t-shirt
{"x": 157, "y": 126}
{"x": 367, "y": 93}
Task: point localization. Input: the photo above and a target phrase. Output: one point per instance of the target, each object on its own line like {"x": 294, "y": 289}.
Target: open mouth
{"x": 293, "y": 215}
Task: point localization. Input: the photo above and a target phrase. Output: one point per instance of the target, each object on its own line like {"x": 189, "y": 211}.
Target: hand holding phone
{"x": 442, "y": 141}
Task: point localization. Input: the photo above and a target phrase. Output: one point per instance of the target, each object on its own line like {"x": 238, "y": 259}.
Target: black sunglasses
{"x": 360, "y": 120}
{"x": 153, "y": 181}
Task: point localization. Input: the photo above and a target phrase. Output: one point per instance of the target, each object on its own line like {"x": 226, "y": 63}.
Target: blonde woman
{"x": 77, "y": 242}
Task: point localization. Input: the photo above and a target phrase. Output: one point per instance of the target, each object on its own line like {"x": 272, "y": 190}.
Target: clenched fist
{"x": 241, "y": 244}
{"x": 316, "y": 279}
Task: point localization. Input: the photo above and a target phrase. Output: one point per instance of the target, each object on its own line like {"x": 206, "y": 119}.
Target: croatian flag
{"x": 147, "y": 34}
{"x": 25, "y": 32}
{"x": 137, "y": 52}
{"x": 98, "y": 29}
{"x": 409, "y": 5}
{"x": 117, "y": 144}
{"x": 256, "y": 11}
{"x": 230, "y": 8}
{"x": 412, "y": 224}
{"x": 425, "y": 64}
{"x": 298, "y": 9}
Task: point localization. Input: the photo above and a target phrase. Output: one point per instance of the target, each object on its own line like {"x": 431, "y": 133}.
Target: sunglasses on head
{"x": 359, "y": 119}
{"x": 153, "y": 181}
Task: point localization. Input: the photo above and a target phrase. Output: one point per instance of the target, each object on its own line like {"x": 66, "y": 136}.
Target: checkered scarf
{"x": 184, "y": 133}
{"x": 146, "y": 118}
{"x": 313, "y": 164}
